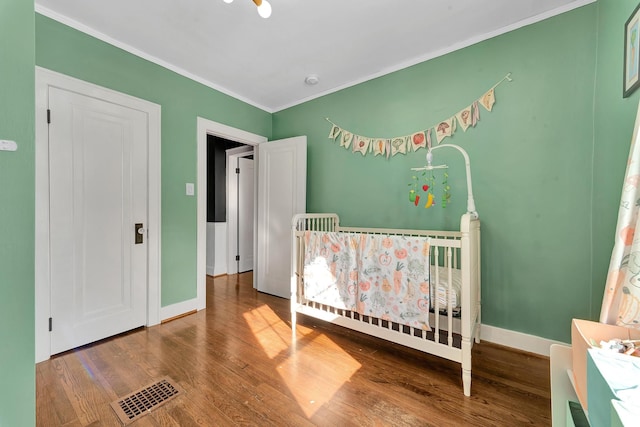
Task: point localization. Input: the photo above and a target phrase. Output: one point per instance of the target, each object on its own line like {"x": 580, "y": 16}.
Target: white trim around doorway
{"x": 208, "y": 127}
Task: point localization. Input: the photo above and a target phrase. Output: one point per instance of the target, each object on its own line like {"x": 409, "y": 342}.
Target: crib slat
{"x": 448, "y": 297}
{"x": 436, "y": 252}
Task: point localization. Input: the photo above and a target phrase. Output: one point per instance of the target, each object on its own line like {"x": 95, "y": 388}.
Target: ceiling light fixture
{"x": 264, "y": 7}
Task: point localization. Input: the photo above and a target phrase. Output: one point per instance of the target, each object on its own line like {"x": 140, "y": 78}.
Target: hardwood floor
{"x": 237, "y": 366}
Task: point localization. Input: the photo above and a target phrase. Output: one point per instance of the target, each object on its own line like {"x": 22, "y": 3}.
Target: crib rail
{"x": 315, "y": 222}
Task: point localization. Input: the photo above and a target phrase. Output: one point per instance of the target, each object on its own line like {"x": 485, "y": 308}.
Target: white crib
{"x": 453, "y": 254}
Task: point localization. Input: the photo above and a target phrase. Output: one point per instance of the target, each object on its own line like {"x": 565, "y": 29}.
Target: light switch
{"x": 6, "y": 145}
{"x": 190, "y": 189}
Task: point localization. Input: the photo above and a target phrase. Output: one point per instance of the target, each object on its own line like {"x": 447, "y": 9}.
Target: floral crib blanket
{"x": 383, "y": 276}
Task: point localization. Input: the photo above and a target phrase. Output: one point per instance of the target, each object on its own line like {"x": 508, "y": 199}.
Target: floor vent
{"x": 143, "y": 401}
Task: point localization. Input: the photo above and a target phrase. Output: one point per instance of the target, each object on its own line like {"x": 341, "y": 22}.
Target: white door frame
{"x": 208, "y": 127}
{"x": 232, "y": 156}
{"x": 45, "y": 79}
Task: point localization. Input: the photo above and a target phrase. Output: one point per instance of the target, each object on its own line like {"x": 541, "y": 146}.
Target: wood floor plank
{"x": 58, "y": 411}
{"x": 84, "y": 394}
{"x": 239, "y": 366}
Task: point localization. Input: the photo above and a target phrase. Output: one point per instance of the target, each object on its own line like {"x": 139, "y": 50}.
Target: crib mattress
{"x": 442, "y": 286}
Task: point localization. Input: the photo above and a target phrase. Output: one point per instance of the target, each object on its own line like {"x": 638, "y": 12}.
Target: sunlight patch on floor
{"x": 316, "y": 371}
{"x": 312, "y": 376}
{"x": 269, "y": 330}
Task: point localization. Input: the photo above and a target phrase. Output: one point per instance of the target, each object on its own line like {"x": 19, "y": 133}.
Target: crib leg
{"x": 466, "y": 381}
{"x": 478, "y": 327}
{"x": 293, "y": 325}
{"x": 466, "y": 365}
{"x": 293, "y": 304}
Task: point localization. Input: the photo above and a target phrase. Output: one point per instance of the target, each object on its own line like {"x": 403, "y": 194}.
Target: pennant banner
{"x": 465, "y": 118}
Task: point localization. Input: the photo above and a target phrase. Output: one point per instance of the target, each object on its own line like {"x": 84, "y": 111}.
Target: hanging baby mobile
{"x": 424, "y": 182}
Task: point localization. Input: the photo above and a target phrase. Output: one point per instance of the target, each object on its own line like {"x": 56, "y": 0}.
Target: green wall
{"x": 531, "y": 161}
{"x": 17, "y": 215}
{"x": 614, "y": 122}
{"x": 547, "y": 163}
{"x": 71, "y": 52}
{"x": 545, "y": 171}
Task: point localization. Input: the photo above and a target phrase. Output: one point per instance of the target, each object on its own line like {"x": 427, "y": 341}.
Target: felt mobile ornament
{"x": 414, "y": 197}
{"x": 446, "y": 195}
{"x": 431, "y": 201}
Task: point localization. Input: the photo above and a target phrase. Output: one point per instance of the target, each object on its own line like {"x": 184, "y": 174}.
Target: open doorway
{"x": 230, "y": 207}
{"x": 219, "y": 208}
{"x": 207, "y": 128}
{"x": 240, "y": 209}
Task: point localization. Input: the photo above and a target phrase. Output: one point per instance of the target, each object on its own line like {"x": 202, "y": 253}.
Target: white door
{"x": 282, "y": 190}
{"x": 98, "y": 192}
{"x": 245, "y": 214}
{"x": 231, "y": 234}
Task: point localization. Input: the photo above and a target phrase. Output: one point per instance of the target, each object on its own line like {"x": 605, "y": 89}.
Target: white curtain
{"x": 621, "y": 302}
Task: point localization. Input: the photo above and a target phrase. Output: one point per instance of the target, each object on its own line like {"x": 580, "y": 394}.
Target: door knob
{"x": 139, "y": 233}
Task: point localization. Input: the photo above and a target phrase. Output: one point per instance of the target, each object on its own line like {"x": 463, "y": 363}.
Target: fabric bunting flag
{"x": 488, "y": 99}
{"x": 345, "y": 140}
{"x": 475, "y": 115}
{"x": 418, "y": 140}
{"x": 380, "y": 147}
{"x": 335, "y": 131}
{"x": 361, "y": 144}
{"x": 464, "y": 118}
{"x": 399, "y": 145}
{"x": 444, "y": 129}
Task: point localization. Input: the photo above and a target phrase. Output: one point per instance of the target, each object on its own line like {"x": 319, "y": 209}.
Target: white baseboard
{"x": 177, "y": 309}
{"x": 518, "y": 340}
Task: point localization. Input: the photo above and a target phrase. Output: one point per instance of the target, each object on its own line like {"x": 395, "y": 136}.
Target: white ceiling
{"x": 264, "y": 61}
